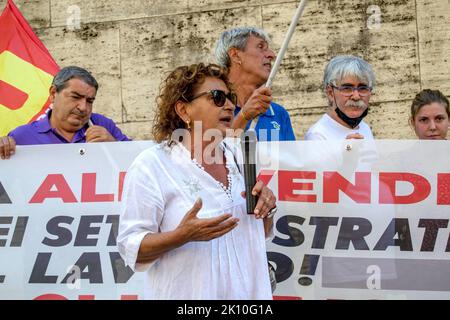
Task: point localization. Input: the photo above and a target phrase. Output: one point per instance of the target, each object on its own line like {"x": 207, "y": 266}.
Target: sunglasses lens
{"x": 233, "y": 98}
{"x": 219, "y": 97}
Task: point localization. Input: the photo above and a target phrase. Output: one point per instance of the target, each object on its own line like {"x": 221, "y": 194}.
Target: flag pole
{"x": 282, "y": 51}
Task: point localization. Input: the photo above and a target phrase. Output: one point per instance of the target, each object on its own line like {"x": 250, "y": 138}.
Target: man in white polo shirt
{"x": 348, "y": 84}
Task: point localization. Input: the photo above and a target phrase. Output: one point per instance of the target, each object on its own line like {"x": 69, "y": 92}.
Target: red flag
{"x": 26, "y": 71}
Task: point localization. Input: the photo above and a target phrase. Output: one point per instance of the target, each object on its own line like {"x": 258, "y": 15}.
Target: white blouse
{"x": 161, "y": 186}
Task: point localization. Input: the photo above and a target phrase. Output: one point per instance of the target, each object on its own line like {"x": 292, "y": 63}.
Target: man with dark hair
{"x": 70, "y": 120}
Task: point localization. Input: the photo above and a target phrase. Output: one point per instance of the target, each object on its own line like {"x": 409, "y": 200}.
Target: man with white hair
{"x": 348, "y": 84}
{"x": 246, "y": 53}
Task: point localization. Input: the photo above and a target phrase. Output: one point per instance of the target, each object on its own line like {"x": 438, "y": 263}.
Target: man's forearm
{"x": 240, "y": 121}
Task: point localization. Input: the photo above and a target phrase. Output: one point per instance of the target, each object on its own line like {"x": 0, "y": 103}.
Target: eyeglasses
{"x": 347, "y": 91}
{"x": 219, "y": 97}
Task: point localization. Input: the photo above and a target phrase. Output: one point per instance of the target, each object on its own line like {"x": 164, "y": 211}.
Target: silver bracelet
{"x": 272, "y": 212}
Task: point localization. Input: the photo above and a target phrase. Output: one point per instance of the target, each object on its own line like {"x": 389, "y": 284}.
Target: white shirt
{"x": 161, "y": 186}
{"x": 329, "y": 129}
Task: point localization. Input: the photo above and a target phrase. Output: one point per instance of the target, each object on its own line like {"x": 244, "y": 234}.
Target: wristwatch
{"x": 272, "y": 212}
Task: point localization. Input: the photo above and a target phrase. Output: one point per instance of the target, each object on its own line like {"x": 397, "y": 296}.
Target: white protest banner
{"x": 59, "y": 214}
{"x": 356, "y": 220}
{"x": 360, "y": 219}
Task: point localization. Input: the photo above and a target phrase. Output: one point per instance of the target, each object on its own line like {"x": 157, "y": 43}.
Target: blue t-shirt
{"x": 41, "y": 132}
{"x": 274, "y": 125}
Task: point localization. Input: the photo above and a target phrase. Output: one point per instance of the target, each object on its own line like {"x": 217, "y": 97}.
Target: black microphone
{"x": 248, "y": 145}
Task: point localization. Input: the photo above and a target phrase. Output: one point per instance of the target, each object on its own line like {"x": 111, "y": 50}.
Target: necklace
{"x": 227, "y": 190}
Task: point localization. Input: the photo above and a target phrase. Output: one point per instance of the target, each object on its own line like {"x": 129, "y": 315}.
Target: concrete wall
{"x": 129, "y": 45}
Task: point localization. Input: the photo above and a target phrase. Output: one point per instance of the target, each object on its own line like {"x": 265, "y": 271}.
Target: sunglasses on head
{"x": 219, "y": 97}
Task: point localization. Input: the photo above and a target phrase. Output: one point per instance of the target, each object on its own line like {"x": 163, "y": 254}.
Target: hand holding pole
{"x": 282, "y": 51}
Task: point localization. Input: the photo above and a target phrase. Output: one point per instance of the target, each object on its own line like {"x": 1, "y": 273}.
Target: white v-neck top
{"x": 161, "y": 186}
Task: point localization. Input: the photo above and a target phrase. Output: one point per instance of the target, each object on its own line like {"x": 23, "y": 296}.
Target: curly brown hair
{"x": 181, "y": 84}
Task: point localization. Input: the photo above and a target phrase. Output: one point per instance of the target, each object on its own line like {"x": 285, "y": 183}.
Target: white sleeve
{"x": 141, "y": 212}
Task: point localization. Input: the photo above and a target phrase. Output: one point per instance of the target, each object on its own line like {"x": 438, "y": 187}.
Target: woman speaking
{"x": 184, "y": 220}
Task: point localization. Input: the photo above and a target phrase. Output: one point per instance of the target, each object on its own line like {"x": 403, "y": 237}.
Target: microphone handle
{"x": 250, "y": 181}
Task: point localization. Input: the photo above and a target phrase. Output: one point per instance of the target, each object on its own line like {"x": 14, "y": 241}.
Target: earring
{"x": 188, "y": 124}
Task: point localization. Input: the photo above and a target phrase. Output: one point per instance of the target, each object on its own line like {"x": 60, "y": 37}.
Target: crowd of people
{"x": 246, "y": 55}
{"x": 184, "y": 219}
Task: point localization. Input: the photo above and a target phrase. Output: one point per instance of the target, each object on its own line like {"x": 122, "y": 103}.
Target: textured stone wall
{"x": 129, "y": 45}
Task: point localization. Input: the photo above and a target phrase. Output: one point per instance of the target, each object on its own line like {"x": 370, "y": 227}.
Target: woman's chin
{"x": 435, "y": 138}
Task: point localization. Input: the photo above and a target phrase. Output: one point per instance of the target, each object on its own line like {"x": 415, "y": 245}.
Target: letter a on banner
{"x": 4, "y": 198}
{"x": 26, "y": 71}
